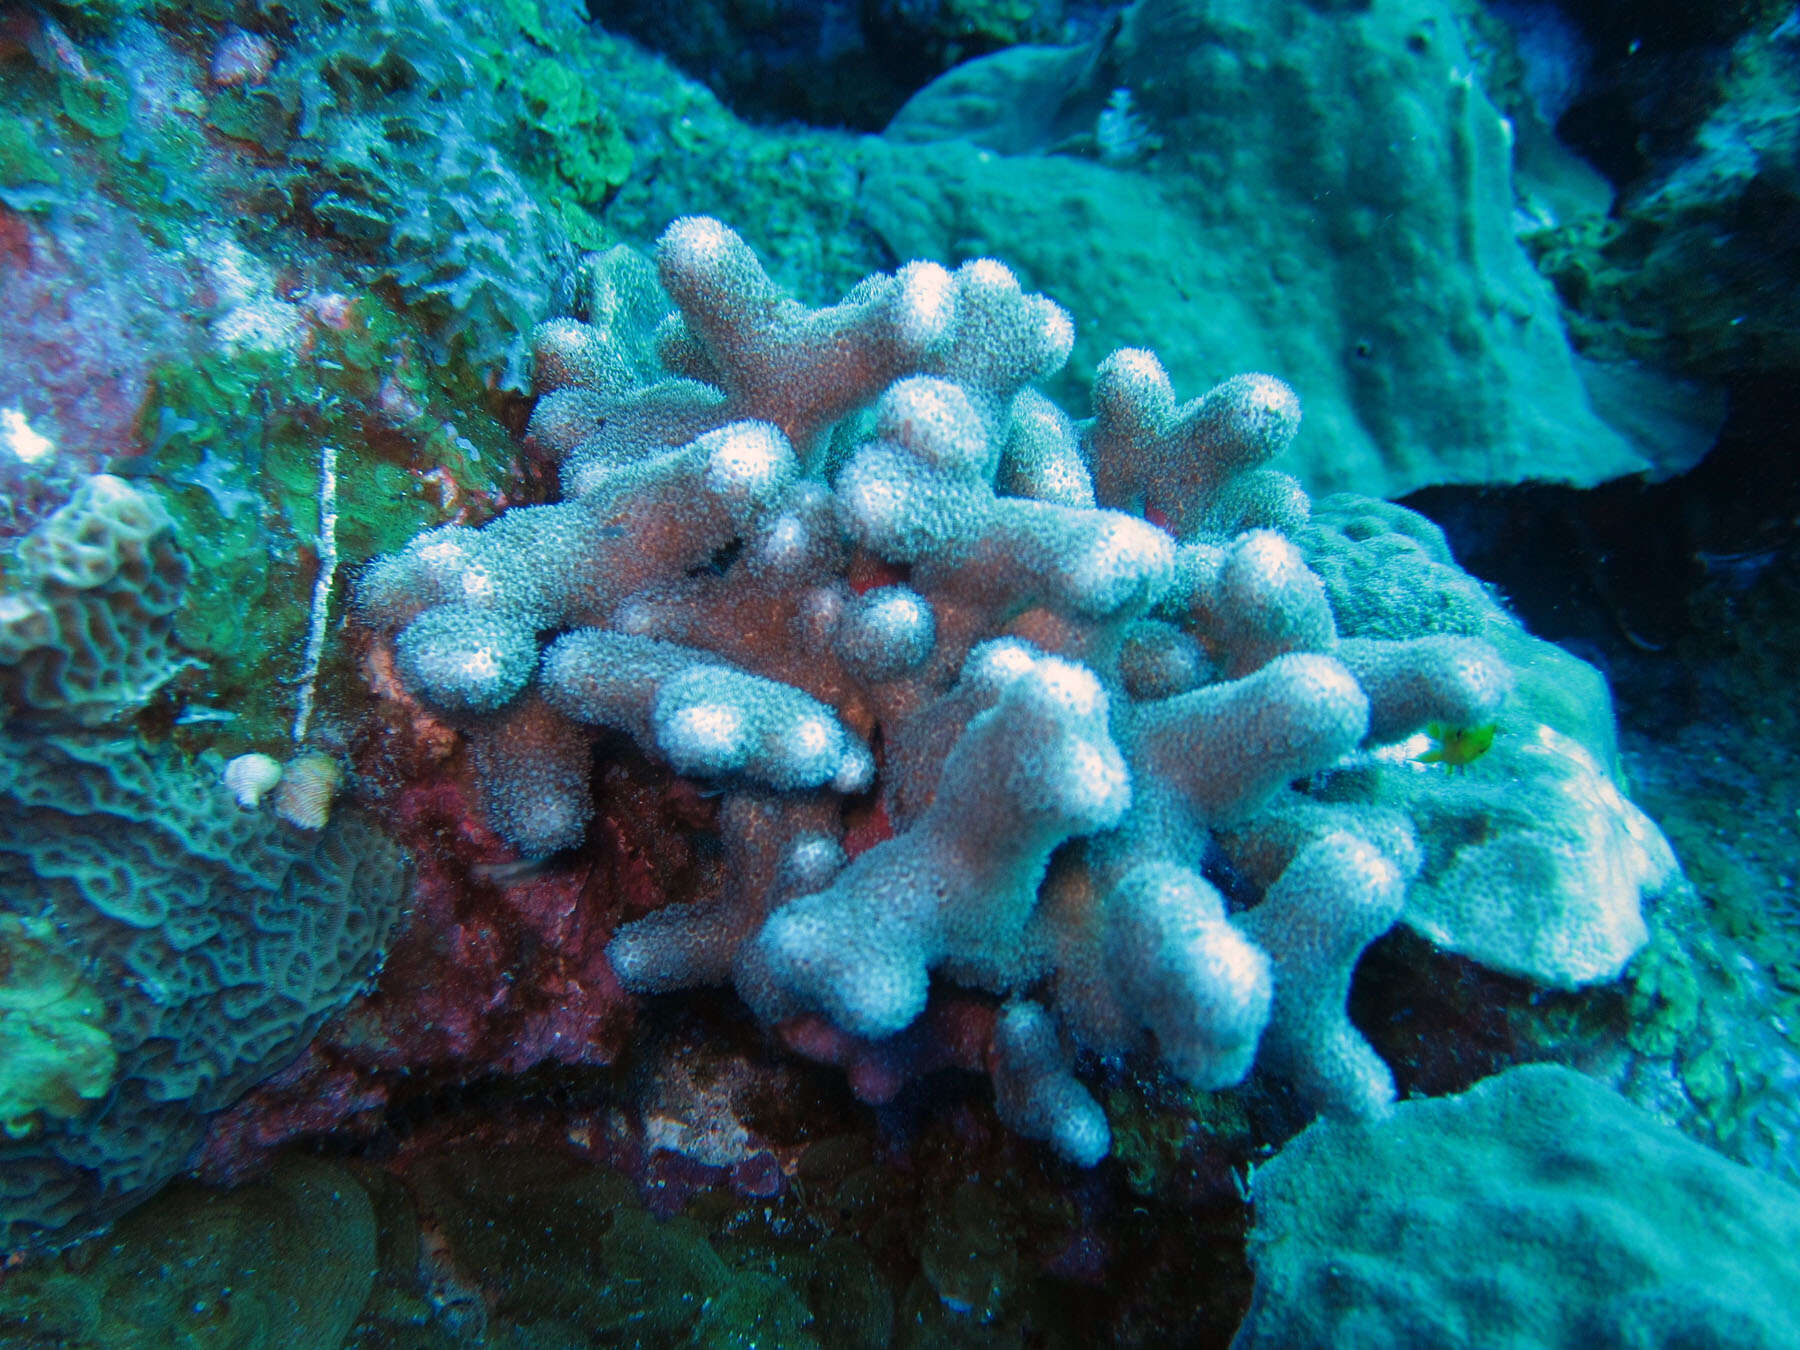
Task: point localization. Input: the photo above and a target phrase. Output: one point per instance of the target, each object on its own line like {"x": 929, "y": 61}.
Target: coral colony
{"x": 1074, "y": 684}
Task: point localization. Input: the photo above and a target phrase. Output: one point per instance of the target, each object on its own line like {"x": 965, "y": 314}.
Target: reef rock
{"x": 1537, "y": 1209}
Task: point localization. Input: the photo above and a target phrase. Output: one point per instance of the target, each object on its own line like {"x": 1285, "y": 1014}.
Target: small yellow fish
{"x": 1457, "y": 747}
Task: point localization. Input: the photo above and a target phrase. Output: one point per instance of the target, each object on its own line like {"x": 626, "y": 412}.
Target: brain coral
{"x": 849, "y": 560}
{"x": 88, "y": 629}
{"x": 212, "y": 943}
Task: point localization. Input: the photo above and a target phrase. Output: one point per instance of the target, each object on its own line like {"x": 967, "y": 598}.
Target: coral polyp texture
{"x": 1123, "y": 719}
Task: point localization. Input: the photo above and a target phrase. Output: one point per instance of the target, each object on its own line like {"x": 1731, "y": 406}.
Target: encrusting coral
{"x": 850, "y": 558}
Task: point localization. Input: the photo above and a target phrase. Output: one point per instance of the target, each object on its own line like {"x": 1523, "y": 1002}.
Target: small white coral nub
{"x": 309, "y": 783}
{"x": 251, "y": 777}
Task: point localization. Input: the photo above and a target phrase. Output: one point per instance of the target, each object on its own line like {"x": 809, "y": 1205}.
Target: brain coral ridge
{"x": 87, "y": 629}
{"x": 811, "y": 556}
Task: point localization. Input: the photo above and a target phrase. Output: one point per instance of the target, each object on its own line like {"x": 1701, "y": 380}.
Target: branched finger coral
{"x": 1099, "y": 680}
